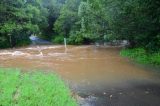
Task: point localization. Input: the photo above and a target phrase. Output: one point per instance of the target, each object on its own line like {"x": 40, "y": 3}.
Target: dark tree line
{"x": 21, "y": 18}
{"x": 81, "y": 21}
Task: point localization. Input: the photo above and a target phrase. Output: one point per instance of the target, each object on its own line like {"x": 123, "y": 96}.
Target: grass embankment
{"x": 141, "y": 56}
{"x": 33, "y": 89}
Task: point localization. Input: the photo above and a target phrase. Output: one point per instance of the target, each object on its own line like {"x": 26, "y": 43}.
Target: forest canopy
{"x": 81, "y": 21}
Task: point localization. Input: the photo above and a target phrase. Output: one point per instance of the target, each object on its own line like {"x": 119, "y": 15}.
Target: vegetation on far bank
{"x": 33, "y": 89}
{"x": 140, "y": 55}
{"x": 81, "y": 21}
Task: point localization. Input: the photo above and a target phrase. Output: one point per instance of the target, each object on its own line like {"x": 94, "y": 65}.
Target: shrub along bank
{"x": 140, "y": 55}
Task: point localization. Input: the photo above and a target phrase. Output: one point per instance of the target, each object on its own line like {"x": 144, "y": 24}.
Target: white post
{"x": 65, "y": 43}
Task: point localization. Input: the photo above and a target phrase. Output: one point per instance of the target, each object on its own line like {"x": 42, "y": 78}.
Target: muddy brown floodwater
{"x": 98, "y": 75}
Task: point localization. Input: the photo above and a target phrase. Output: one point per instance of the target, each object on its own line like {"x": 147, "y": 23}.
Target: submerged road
{"x": 97, "y": 76}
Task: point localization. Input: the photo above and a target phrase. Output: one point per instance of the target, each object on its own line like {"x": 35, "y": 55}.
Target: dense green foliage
{"x": 21, "y": 18}
{"x": 137, "y": 21}
{"x": 141, "y": 56}
{"x": 58, "y": 39}
{"x": 32, "y": 89}
{"x": 16, "y": 22}
{"x": 82, "y": 21}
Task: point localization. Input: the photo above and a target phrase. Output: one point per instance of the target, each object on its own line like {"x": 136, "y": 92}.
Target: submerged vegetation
{"x": 32, "y": 89}
{"x": 140, "y": 55}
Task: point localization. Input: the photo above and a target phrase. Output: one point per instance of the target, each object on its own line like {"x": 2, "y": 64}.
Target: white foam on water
{"x": 6, "y": 53}
{"x": 14, "y": 53}
{"x": 43, "y": 47}
{"x": 19, "y": 53}
{"x": 40, "y": 54}
{"x": 57, "y": 54}
{"x": 52, "y": 47}
{"x": 78, "y": 48}
{"x": 32, "y": 48}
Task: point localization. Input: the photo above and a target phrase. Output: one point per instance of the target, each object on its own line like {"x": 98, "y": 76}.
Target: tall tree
{"x": 15, "y": 25}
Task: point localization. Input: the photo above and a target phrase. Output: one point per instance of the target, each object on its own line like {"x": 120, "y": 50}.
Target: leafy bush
{"x": 23, "y": 42}
{"x": 141, "y": 56}
{"x": 75, "y": 39}
{"x": 4, "y": 42}
{"x": 33, "y": 89}
{"x": 58, "y": 39}
{"x": 155, "y": 58}
{"x": 109, "y": 37}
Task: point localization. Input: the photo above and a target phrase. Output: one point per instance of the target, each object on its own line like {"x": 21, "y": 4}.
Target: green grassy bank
{"x": 141, "y": 56}
{"x": 33, "y": 89}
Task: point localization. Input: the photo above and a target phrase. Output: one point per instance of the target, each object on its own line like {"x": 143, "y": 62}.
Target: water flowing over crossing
{"x": 89, "y": 70}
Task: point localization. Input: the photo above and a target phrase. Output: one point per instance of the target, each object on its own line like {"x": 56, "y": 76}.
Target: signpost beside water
{"x": 65, "y": 43}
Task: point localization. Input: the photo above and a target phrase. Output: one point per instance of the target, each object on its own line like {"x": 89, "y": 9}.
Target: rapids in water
{"x": 97, "y": 74}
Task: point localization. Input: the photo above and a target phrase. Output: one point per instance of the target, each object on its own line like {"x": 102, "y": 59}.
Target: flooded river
{"x": 97, "y": 74}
